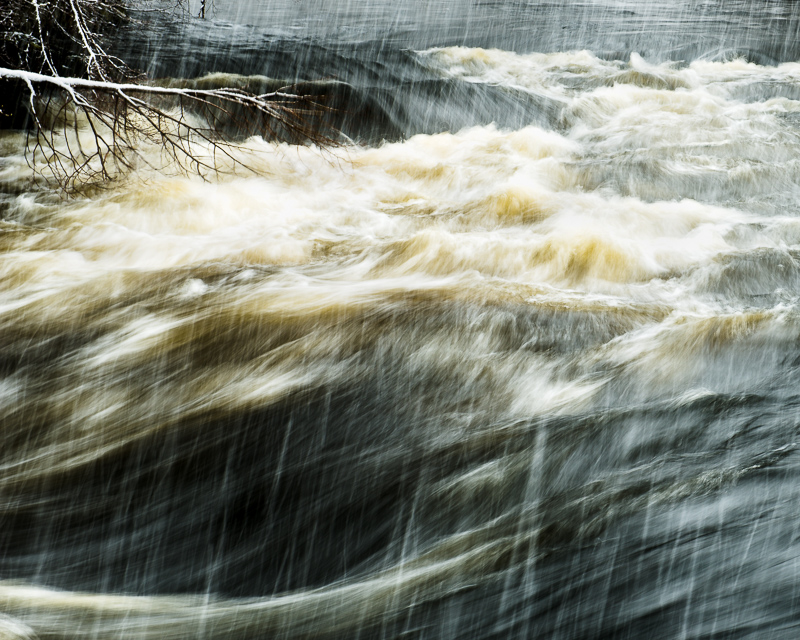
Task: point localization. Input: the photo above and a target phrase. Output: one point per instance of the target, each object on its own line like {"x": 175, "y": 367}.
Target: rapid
{"x": 520, "y": 359}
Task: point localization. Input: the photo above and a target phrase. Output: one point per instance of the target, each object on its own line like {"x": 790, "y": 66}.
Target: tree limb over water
{"x": 117, "y": 117}
{"x": 88, "y": 113}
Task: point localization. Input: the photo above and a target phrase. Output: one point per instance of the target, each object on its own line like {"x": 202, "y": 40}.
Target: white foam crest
{"x": 558, "y": 75}
{"x": 538, "y": 72}
{"x": 565, "y": 74}
{"x": 478, "y": 204}
{"x": 690, "y": 123}
{"x": 671, "y": 357}
{"x": 334, "y": 609}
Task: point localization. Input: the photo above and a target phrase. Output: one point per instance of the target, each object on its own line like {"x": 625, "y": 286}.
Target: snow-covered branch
{"x": 70, "y": 84}
{"x": 119, "y": 116}
{"x": 88, "y": 121}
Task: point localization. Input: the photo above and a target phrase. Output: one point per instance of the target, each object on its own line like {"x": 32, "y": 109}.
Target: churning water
{"x": 521, "y": 360}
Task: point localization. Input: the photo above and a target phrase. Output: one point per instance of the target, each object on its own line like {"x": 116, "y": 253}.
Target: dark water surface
{"x": 520, "y": 359}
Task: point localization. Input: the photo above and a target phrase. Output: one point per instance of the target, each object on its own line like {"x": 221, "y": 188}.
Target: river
{"x": 520, "y": 358}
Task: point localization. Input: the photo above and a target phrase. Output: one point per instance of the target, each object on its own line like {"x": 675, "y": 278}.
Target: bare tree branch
{"x": 121, "y": 111}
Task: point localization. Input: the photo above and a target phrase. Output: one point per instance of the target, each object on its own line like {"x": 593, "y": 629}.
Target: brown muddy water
{"x": 521, "y": 360}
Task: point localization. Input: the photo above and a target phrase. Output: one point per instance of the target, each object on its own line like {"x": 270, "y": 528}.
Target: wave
{"x": 536, "y": 372}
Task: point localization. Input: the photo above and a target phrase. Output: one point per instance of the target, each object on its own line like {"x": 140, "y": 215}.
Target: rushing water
{"x": 522, "y": 360}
